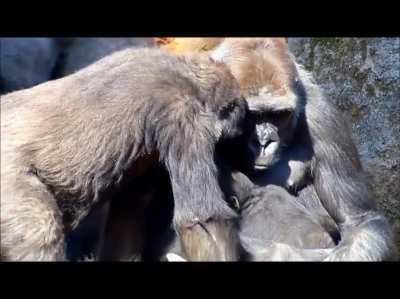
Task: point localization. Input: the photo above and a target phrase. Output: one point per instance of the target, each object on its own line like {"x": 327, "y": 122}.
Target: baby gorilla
{"x": 274, "y": 226}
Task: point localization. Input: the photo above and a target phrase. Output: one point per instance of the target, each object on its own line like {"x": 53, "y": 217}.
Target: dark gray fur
{"x": 68, "y": 144}
{"x": 342, "y": 185}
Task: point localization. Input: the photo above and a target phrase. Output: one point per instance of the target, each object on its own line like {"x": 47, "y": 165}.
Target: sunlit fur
{"x": 70, "y": 143}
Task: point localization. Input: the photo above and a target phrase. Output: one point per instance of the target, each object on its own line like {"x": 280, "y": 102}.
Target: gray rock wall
{"x": 362, "y": 77}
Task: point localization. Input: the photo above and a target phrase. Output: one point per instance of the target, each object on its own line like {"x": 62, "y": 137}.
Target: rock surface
{"x": 362, "y": 77}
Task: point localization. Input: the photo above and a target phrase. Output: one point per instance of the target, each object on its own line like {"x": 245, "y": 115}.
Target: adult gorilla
{"x": 75, "y": 143}
{"x": 304, "y": 144}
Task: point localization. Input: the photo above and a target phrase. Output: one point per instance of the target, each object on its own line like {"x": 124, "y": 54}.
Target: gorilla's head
{"x": 267, "y": 77}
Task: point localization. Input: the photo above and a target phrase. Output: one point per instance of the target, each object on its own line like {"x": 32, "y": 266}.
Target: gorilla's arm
{"x": 341, "y": 184}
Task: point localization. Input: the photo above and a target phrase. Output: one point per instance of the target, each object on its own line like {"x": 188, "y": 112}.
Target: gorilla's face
{"x": 268, "y": 137}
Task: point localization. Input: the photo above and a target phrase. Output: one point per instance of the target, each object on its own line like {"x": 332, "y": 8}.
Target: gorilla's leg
{"x": 31, "y": 223}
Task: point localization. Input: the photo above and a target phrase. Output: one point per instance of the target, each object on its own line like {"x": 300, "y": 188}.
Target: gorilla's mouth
{"x": 260, "y": 166}
{"x": 264, "y": 163}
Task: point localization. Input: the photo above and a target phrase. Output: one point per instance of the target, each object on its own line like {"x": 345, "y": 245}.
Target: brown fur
{"x": 68, "y": 144}
{"x": 259, "y": 64}
{"x": 256, "y": 63}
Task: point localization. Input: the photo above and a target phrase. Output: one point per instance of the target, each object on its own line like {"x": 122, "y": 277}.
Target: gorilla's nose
{"x": 266, "y": 143}
{"x": 267, "y": 139}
